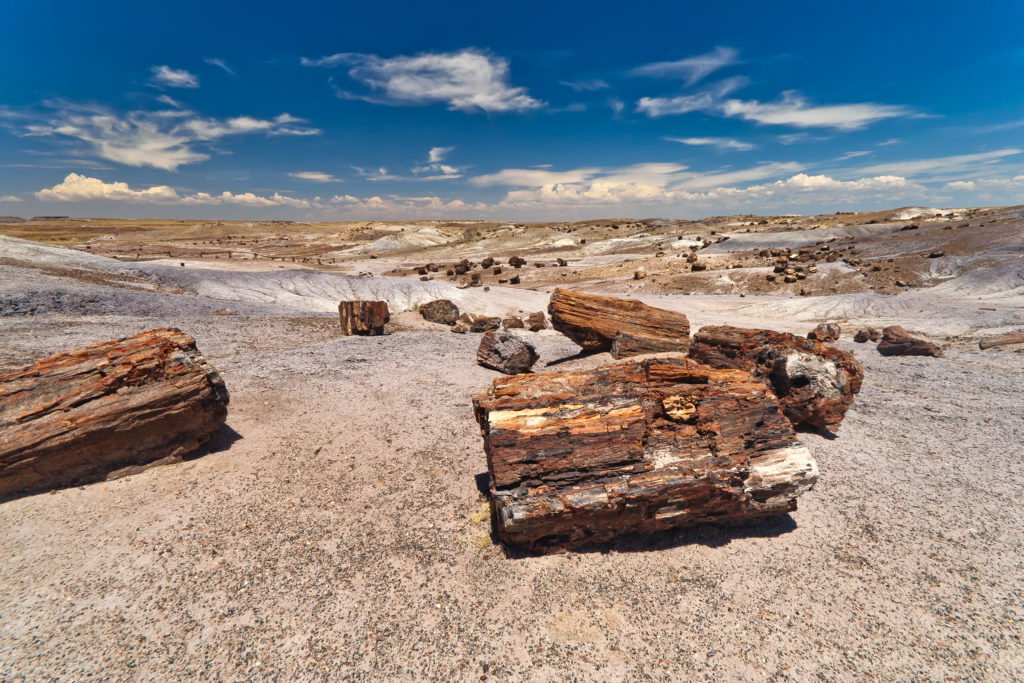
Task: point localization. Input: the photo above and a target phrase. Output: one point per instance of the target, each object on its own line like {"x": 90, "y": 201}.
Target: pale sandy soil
{"x": 335, "y": 530}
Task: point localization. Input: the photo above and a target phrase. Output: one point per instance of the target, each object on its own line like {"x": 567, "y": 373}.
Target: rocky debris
{"x": 695, "y": 267}
{"x": 487, "y": 262}
{"x": 937, "y": 254}
{"x": 815, "y": 383}
{"x": 594, "y": 321}
{"x": 505, "y": 352}
{"x": 896, "y": 341}
{"x": 78, "y": 416}
{"x": 825, "y": 332}
{"x": 562, "y": 263}
{"x": 585, "y": 456}
{"x": 517, "y": 262}
{"x": 365, "y": 318}
{"x": 485, "y": 323}
{"x": 441, "y": 311}
{"x": 535, "y": 322}
{"x": 866, "y": 334}
{"x": 639, "y": 274}
{"x": 514, "y": 280}
{"x": 1000, "y": 340}
{"x": 460, "y": 328}
{"x": 512, "y": 323}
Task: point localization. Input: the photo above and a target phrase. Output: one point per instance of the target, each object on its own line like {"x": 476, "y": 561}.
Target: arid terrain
{"x": 335, "y": 528}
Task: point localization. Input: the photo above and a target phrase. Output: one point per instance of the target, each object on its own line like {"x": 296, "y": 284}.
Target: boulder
{"x": 441, "y": 311}
{"x": 815, "y": 383}
{"x": 586, "y": 456}
{"x": 594, "y": 321}
{"x": 896, "y": 341}
{"x": 505, "y": 352}
{"x": 80, "y": 415}
{"x": 825, "y": 332}
{"x": 535, "y": 322}
{"x": 866, "y": 334}
{"x": 363, "y": 317}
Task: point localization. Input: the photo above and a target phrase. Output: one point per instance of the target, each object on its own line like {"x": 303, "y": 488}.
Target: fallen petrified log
{"x": 996, "y": 341}
{"x": 594, "y": 322}
{"x": 583, "y": 456}
{"x": 896, "y": 341}
{"x": 815, "y": 383}
{"x": 505, "y": 352}
{"x": 363, "y": 317}
{"x": 79, "y": 415}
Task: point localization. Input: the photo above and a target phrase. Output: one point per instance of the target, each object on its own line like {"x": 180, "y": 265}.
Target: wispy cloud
{"x": 692, "y": 69}
{"x": 173, "y": 78}
{"x": 853, "y": 155}
{"x": 957, "y": 164}
{"x": 10, "y": 198}
{"x": 435, "y": 168}
{"x": 170, "y": 101}
{"x": 890, "y": 141}
{"x": 467, "y": 80}
{"x": 375, "y": 174}
{"x": 706, "y": 100}
{"x": 586, "y": 86}
{"x": 794, "y": 110}
{"x": 315, "y": 176}
{"x": 616, "y": 105}
{"x": 437, "y": 154}
{"x": 220, "y": 64}
{"x": 721, "y": 143}
{"x": 76, "y": 187}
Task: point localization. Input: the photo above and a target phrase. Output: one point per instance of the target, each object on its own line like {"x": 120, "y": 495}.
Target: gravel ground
{"x": 335, "y": 531}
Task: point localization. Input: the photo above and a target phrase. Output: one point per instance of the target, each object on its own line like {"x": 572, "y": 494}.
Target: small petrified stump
{"x": 585, "y": 456}
{"x": 866, "y": 334}
{"x": 484, "y": 323}
{"x": 815, "y": 383}
{"x": 825, "y": 333}
{"x": 896, "y": 341}
{"x": 512, "y": 323}
{"x": 1000, "y": 340}
{"x": 77, "y": 416}
{"x": 505, "y": 352}
{"x": 594, "y": 322}
{"x": 535, "y": 322}
{"x": 441, "y": 311}
{"x": 363, "y": 317}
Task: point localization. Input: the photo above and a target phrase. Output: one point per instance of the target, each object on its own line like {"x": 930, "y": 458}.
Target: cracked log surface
{"x": 363, "y": 317}
{"x": 584, "y": 456}
{"x": 76, "y": 416}
{"x": 815, "y": 383}
{"x": 623, "y": 326}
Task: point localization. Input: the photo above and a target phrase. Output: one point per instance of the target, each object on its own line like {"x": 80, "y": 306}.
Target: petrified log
{"x": 485, "y": 323}
{"x": 815, "y": 383}
{"x": 896, "y": 341}
{"x": 505, "y": 352}
{"x": 996, "y": 341}
{"x": 583, "y": 456}
{"x": 512, "y": 322}
{"x": 77, "y": 416}
{"x": 363, "y": 317}
{"x": 594, "y": 321}
{"x": 441, "y": 311}
{"x": 825, "y": 332}
{"x": 866, "y": 334}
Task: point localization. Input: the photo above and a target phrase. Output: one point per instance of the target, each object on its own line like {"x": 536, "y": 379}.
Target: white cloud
{"x": 10, "y": 198}
{"x": 794, "y": 110}
{"x": 706, "y": 100}
{"x": 853, "y": 155}
{"x": 77, "y": 187}
{"x": 961, "y": 185}
{"x": 890, "y": 141}
{"x": 721, "y": 143}
{"x": 315, "y": 176}
{"x": 169, "y": 101}
{"x": 961, "y": 163}
{"x": 616, "y": 106}
{"x": 435, "y": 167}
{"x": 437, "y": 154}
{"x": 532, "y": 177}
{"x": 691, "y": 69}
{"x": 467, "y": 80}
{"x": 220, "y": 64}
{"x": 586, "y": 86}
{"x": 376, "y": 174}
{"x": 397, "y": 206}
{"x": 174, "y": 78}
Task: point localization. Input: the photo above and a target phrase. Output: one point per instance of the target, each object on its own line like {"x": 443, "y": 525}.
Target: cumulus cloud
{"x": 173, "y": 78}
{"x": 721, "y": 143}
{"x": 794, "y": 110}
{"x": 76, "y": 187}
{"x": 437, "y": 154}
{"x": 692, "y": 69}
{"x": 161, "y": 139}
{"x": 467, "y": 80}
{"x": 220, "y": 64}
{"x": 315, "y": 176}
{"x": 435, "y": 168}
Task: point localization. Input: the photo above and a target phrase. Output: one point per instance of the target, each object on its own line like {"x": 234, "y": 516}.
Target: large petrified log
{"x": 583, "y": 456}
{"x": 815, "y": 383}
{"x": 363, "y": 317}
{"x": 1000, "y": 340}
{"x": 79, "y": 415}
{"x": 594, "y": 322}
{"x": 896, "y": 341}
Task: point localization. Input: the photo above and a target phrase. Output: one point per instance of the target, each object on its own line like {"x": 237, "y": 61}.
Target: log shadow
{"x": 817, "y": 431}
{"x": 222, "y": 439}
{"x": 576, "y": 356}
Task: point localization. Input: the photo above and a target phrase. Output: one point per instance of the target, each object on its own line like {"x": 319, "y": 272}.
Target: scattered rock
{"x": 505, "y": 352}
{"x": 517, "y": 262}
{"x": 485, "y": 323}
{"x": 936, "y": 254}
{"x": 459, "y": 328}
{"x": 512, "y": 323}
{"x": 896, "y": 341}
{"x": 441, "y": 311}
{"x": 639, "y": 274}
{"x": 514, "y": 280}
{"x": 363, "y": 317}
{"x": 535, "y": 322}
{"x": 866, "y": 334}
{"x": 562, "y": 263}
{"x": 695, "y": 267}
{"x": 825, "y": 332}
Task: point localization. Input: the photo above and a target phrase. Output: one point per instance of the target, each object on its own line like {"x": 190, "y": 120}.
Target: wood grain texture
{"x": 896, "y": 341}
{"x": 998, "y": 340}
{"x": 584, "y": 456}
{"x": 365, "y": 318}
{"x": 77, "y": 416}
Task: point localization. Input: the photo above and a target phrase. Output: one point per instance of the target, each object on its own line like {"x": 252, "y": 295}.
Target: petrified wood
{"x": 594, "y": 321}
{"x": 815, "y": 383}
{"x": 825, "y": 333}
{"x": 896, "y": 341}
{"x": 363, "y": 317}
{"x": 505, "y": 352}
{"x": 996, "y": 341}
{"x": 583, "y": 456}
{"x": 535, "y": 322}
{"x": 866, "y": 334}
{"x": 77, "y": 416}
{"x": 441, "y": 311}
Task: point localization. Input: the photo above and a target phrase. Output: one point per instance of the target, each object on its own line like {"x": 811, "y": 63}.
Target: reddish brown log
{"x": 594, "y": 321}
{"x": 79, "y": 415}
{"x": 896, "y": 341}
{"x": 996, "y": 341}
{"x": 363, "y": 317}
{"x": 577, "y": 457}
{"x": 814, "y": 383}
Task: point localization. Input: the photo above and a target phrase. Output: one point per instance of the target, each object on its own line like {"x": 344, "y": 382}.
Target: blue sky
{"x": 528, "y": 110}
